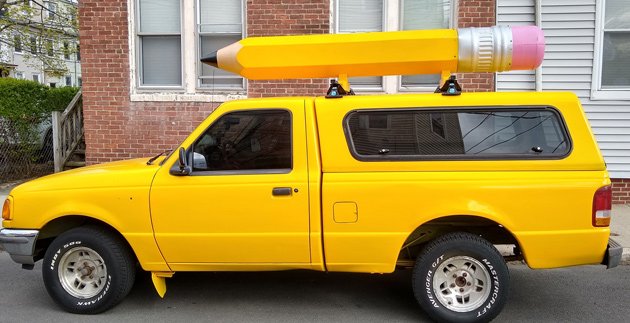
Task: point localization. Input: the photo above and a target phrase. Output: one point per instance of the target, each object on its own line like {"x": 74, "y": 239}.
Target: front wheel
{"x": 460, "y": 277}
{"x": 88, "y": 270}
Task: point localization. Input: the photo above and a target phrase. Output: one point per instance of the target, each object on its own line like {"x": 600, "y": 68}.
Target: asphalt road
{"x": 580, "y": 294}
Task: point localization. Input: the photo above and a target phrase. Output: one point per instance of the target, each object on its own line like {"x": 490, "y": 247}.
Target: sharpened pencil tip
{"x": 211, "y": 59}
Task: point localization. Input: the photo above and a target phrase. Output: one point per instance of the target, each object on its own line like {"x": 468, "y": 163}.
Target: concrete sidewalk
{"x": 619, "y": 228}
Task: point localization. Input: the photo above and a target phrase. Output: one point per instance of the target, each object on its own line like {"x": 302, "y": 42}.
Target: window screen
{"x": 159, "y": 32}
{"x": 468, "y": 134}
{"x": 616, "y": 45}
{"x": 356, "y": 16}
{"x": 251, "y": 140}
{"x": 220, "y": 23}
{"x": 424, "y": 14}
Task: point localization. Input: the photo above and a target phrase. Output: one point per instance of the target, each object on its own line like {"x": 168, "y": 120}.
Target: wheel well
{"x": 54, "y": 228}
{"x": 492, "y": 231}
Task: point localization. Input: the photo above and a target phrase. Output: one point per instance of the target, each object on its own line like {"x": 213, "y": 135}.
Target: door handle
{"x": 281, "y": 191}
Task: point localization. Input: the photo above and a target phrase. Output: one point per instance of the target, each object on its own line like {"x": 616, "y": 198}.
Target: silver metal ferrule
{"x": 487, "y": 49}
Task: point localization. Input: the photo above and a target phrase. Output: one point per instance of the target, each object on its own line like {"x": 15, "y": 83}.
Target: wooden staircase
{"x": 68, "y": 139}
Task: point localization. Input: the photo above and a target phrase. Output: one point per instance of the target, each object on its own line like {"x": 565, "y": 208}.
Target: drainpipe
{"x": 538, "y": 19}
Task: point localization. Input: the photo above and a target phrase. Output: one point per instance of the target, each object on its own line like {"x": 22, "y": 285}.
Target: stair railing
{"x": 67, "y": 130}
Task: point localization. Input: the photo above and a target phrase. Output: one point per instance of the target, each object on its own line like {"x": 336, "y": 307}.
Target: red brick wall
{"x": 116, "y": 128}
{"x": 478, "y": 13}
{"x": 621, "y": 191}
{"x": 287, "y": 17}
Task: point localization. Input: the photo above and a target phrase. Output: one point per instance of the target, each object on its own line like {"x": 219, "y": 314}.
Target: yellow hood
{"x": 124, "y": 173}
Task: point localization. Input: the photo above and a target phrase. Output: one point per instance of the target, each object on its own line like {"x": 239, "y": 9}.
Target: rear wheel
{"x": 88, "y": 270}
{"x": 461, "y": 277}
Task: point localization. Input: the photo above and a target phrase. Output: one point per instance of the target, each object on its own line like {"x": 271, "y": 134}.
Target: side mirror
{"x": 184, "y": 168}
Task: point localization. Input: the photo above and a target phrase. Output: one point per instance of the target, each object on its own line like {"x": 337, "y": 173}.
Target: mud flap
{"x": 159, "y": 281}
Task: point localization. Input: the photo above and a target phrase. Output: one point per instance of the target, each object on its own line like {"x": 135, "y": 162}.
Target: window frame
{"x": 39, "y": 77}
{"x": 429, "y": 110}
{"x": 33, "y": 45}
{"x": 50, "y": 48}
{"x": 137, "y": 35}
{"x": 198, "y": 65}
{"x": 18, "y": 47}
{"x": 66, "y": 51}
{"x": 189, "y": 151}
{"x": 597, "y": 92}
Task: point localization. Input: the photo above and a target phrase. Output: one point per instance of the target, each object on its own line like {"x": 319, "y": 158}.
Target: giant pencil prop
{"x": 491, "y": 49}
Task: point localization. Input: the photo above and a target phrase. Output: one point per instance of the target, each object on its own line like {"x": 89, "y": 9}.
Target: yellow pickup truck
{"x": 350, "y": 184}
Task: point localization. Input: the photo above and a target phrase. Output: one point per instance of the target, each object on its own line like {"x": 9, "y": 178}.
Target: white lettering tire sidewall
{"x": 424, "y": 273}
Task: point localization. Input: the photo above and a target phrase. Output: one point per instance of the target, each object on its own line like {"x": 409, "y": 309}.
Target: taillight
{"x": 6, "y": 210}
{"x": 602, "y": 204}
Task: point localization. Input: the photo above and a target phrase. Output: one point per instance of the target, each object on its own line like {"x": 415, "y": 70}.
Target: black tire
{"x": 453, "y": 268}
{"x": 97, "y": 286}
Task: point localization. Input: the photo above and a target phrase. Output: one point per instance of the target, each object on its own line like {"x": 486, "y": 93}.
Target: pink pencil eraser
{"x": 528, "y": 47}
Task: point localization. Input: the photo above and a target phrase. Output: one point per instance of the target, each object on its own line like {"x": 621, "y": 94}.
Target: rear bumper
{"x": 612, "y": 258}
{"x": 20, "y": 244}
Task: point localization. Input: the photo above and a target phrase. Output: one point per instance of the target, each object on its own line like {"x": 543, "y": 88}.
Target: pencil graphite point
{"x": 211, "y": 59}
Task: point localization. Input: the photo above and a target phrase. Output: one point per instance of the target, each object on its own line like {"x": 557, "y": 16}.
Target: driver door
{"x": 246, "y": 199}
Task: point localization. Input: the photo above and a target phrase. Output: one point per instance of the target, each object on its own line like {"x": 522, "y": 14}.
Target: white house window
{"x": 66, "y": 50}
{"x": 159, "y": 43}
{"x": 37, "y": 77}
{"x": 611, "y": 79}
{"x": 68, "y": 80}
{"x": 33, "y": 45}
{"x": 50, "y": 48}
{"x": 424, "y": 14}
{"x": 356, "y": 16}
{"x": 17, "y": 43}
{"x": 19, "y": 75}
{"x": 219, "y": 23}
{"x": 391, "y": 15}
{"x": 169, "y": 37}
{"x": 52, "y": 10}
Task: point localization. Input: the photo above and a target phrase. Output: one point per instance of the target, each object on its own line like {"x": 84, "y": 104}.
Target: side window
{"x": 468, "y": 134}
{"x": 248, "y": 140}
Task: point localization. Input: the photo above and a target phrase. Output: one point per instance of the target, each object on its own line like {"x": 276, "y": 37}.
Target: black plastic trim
{"x": 613, "y": 254}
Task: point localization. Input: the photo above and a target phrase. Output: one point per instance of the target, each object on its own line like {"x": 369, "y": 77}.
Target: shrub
{"x": 59, "y": 98}
{"x": 29, "y": 100}
{"x": 25, "y": 108}
{"x": 22, "y": 99}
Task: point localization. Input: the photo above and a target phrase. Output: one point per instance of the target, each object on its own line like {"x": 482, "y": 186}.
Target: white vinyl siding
{"x": 569, "y": 28}
{"x": 516, "y": 13}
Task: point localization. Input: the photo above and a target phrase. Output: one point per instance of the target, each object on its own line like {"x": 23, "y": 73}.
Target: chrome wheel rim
{"x": 82, "y": 272}
{"x": 461, "y": 284}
